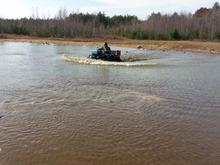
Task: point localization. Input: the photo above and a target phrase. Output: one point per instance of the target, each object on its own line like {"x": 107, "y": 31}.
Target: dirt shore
{"x": 212, "y": 48}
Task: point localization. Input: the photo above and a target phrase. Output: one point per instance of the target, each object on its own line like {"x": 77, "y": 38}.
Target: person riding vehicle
{"x": 106, "y": 49}
{"x": 105, "y": 53}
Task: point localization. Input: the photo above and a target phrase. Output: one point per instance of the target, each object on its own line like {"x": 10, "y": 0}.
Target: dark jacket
{"x": 106, "y": 49}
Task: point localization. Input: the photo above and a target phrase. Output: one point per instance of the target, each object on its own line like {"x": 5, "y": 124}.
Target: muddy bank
{"x": 212, "y": 48}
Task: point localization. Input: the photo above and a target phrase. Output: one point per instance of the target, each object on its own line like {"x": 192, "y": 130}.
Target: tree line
{"x": 203, "y": 24}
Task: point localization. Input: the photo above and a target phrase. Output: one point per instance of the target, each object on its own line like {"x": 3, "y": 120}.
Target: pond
{"x": 58, "y": 112}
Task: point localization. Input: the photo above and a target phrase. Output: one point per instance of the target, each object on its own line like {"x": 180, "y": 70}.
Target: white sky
{"x": 140, "y": 8}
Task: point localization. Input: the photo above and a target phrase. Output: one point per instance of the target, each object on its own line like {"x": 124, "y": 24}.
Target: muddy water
{"x": 58, "y": 112}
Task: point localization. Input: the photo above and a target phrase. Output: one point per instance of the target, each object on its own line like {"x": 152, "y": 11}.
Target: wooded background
{"x": 203, "y": 24}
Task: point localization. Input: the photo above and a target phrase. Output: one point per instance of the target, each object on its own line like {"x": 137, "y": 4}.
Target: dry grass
{"x": 186, "y": 46}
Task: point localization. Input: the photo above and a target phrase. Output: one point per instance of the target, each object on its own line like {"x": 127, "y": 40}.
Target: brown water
{"x": 58, "y": 112}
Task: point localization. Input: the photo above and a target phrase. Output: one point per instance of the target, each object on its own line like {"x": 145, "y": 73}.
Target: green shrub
{"x": 137, "y": 34}
{"x": 50, "y": 32}
{"x": 19, "y": 30}
{"x": 174, "y": 35}
{"x": 193, "y": 35}
{"x": 217, "y": 35}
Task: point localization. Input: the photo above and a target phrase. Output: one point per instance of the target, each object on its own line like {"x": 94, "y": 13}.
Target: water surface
{"x": 58, "y": 112}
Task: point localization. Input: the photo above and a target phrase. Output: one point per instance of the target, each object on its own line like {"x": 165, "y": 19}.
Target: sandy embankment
{"x": 186, "y": 46}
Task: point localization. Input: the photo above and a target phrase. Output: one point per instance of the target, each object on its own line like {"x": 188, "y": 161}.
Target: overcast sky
{"x": 140, "y": 8}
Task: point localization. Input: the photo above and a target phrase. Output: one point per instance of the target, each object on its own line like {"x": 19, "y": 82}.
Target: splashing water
{"x": 129, "y": 58}
{"x": 83, "y": 60}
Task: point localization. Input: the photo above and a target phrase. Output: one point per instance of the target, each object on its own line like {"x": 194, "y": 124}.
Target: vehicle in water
{"x": 113, "y": 55}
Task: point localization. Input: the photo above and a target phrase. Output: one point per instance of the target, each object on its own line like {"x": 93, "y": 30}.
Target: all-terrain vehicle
{"x": 114, "y": 55}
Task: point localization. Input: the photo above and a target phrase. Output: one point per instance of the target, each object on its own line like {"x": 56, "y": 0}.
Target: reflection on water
{"x": 56, "y": 112}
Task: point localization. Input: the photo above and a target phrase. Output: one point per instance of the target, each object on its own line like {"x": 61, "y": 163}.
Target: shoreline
{"x": 207, "y": 47}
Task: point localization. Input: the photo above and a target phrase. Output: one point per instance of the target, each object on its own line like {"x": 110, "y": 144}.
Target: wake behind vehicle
{"x": 113, "y": 55}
